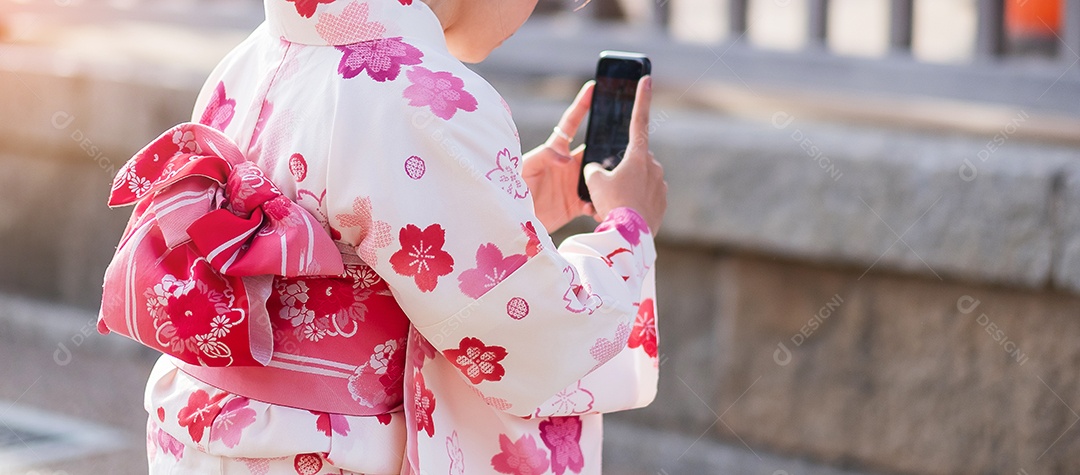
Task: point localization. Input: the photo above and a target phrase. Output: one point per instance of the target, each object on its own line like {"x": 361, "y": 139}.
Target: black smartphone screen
{"x": 608, "y": 132}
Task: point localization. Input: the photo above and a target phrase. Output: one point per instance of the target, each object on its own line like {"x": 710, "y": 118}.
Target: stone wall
{"x": 830, "y": 291}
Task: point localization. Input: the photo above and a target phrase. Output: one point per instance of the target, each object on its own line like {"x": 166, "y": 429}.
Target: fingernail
{"x": 648, "y": 83}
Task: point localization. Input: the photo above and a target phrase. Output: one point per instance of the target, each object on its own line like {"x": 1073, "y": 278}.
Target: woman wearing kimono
{"x": 459, "y": 339}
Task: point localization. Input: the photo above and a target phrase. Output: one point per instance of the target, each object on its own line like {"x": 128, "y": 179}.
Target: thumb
{"x": 593, "y": 168}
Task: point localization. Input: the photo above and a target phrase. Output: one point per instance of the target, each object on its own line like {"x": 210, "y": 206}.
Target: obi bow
{"x": 196, "y": 263}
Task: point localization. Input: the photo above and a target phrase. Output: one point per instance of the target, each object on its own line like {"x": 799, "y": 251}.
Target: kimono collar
{"x": 344, "y": 22}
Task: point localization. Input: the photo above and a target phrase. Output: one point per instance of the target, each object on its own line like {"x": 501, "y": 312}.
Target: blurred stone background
{"x": 871, "y": 261}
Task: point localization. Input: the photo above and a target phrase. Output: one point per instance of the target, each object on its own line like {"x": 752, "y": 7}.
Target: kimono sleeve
{"x": 438, "y": 208}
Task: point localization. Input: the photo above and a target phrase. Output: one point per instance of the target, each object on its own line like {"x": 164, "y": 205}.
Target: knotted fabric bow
{"x": 197, "y": 261}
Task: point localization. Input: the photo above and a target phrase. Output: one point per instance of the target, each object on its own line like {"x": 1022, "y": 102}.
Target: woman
{"x": 458, "y": 339}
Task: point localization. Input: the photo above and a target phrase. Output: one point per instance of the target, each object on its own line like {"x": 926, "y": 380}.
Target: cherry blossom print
{"x": 199, "y": 413}
{"x": 442, "y": 92}
{"x": 405, "y": 2}
{"x": 185, "y": 142}
{"x": 320, "y": 307}
{"x": 190, "y": 316}
{"x": 495, "y": 402}
{"x": 298, "y": 167}
{"x": 507, "y": 175}
{"x": 415, "y": 167}
{"x": 220, "y": 110}
{"x": 562, "y": 435}
{"x": 604, "y": 349}
{"x": 477, "y": 361}
{"x": 165, "y": 442}
{"x": 520, "y": 458}
{"x": 351, "y": 27}
{"x": 307, "y": 464}
{"x": 381, "y": 58}
{"x": 363, "y": 276}
{"x": 517, "y": 308}
{"x": 455, "y": 454}
{"x": 385, "y": 418}
{"x": 644, "y": 333}
{"x": 491, "y": 269}
{"x": 235, "y": 416}
{"x": 331, "y": 423}
{"x": 374, "y": 234}
{"x": 627, "y": 222}
{"x": 579, "y": 298}
{"x": 424, "y": 405}
{"x": 306, "y": 8}
{"x": 572, "y": 400}
{"x": 534, "y": 246}
{"x": 421, "y": 256}
{"x": 161, "y": 414}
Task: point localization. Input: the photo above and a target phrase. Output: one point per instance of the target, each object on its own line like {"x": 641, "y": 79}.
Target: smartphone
{"x": 608, "y": 133}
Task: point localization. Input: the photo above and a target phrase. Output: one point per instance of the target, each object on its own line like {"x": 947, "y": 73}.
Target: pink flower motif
{"x": 219, "y": 111}
{"x": 199, "y": 413}
{"x": 520, "y": 458}
{"x": 374, "y": 235}
{"x": 382, "y": 58}
{"x": 235, "y": 416}
{"x": 477, "y": 361}
{"x": 457, "y": 457}
{"x": 351, "y": 27}
{"x": 415, "y": 167}
{"x": 562, "y": 435}
{"x": 534, "y": 246}
{"x": 572, "y": 400}
{"x": 507, "y": 175}
{"x": 644, "y": 334}
{"x": 443, "y": 92}
{"x": 491, "y": 269}
{"x": 628, "y": 222}
{"x": 166, "y": 442}
{"x": 604, "y": 349}
{"x": 422, "y": 257}
{"x": 579, "y": 298}
{"x": 306, "y": 8}
{"x": 424, "y": 405}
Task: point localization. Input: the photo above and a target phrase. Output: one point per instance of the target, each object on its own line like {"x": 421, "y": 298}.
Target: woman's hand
{"x": 552, "y": 171}
{"x": 638, "y": 181}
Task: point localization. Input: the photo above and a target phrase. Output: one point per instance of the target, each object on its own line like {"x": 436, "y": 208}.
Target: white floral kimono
{"x": 459, "y": 339}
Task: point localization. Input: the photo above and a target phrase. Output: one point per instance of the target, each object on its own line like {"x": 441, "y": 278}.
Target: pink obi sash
{"x": 196, "y": 264}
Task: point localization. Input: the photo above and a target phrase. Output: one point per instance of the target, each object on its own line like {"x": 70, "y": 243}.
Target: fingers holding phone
{"x": 638, "y": 180}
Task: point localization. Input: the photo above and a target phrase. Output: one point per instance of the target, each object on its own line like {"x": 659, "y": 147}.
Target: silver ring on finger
{"x": 563, "y": 135}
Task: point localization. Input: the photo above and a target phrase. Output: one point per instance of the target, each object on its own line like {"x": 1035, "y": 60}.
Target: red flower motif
{"x": 644, "y": 333}
{"x": 520, "y": 458}
{"x": 219, "y": 111}
{"x": 563, "y": 436}
{"x": 306, "y": 8}
{"x": 421, "y": 256}
{"x": 491, "y": 269}
{"x": 382, "y": 58}
{"x": 424, "y": 406}
{"x": 405, "y": 2}
{"x": 327, "y": 423}
{"x": 477, "y": 361}
{"x": 443, "y": 92}
{"x": 298, "y": 167}
{"x": 199, "y": 413}
{"x": 534, "y": 246}
{"x": 307, "y": 464}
